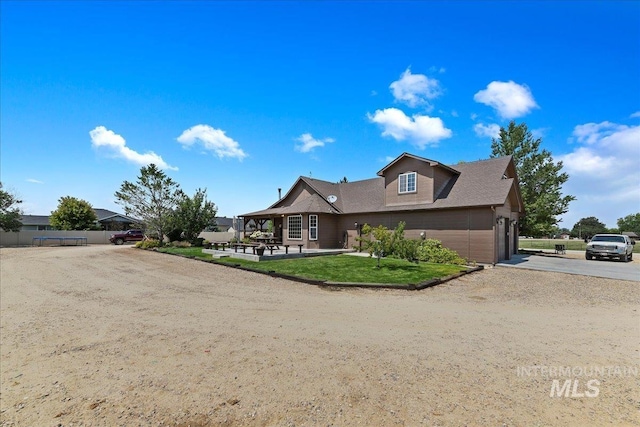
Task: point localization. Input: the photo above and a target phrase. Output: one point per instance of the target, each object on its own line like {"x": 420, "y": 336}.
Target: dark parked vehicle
{"x": 127, "y": 236}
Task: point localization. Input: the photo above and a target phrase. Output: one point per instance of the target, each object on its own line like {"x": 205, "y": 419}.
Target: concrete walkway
{"x": 597, "y": 268}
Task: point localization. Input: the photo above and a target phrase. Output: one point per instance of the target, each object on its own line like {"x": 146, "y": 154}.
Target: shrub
{"x": 148, "y": 243}
{"x": 197, "y": 242}
{"x": 175, "y": 235}
{"x": 431, "y": 250}
{"x": 181, "y": 244}
{"x": 393, "y": 244}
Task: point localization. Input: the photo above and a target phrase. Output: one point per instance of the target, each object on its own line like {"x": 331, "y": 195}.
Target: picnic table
{"x": 269, "y": 241}
{"x": 61, "y": 240}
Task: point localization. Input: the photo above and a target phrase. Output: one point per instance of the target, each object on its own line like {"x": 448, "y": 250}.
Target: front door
{"x": 277, "y": 228}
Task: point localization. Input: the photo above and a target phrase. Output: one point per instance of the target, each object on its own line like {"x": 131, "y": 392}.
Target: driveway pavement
{"x": 597, "y": 268}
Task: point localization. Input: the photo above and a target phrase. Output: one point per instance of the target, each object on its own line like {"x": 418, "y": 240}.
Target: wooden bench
{"x": 286, "y": 248}
{"x": 561, "y": 249}
{"x": 244, "y": 247}
{"x": 216, "y": 244}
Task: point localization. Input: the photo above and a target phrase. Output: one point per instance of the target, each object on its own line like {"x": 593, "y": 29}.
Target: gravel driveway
{"x": 115, "y": 336}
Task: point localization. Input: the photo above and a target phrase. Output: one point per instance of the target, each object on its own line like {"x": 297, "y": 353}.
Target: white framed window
{"x": 407, "y": 182}
{"x": 294, "y": 226}
{"x": 313, "y": 227}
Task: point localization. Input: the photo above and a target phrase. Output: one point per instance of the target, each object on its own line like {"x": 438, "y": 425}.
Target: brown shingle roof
{"x": 480, "y": 183}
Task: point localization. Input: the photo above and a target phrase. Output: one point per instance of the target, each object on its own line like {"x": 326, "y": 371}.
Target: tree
{"x": 344, "y": 180}
{"x": 151, "y": 199}
{"x": 10, "y": 213}
{"x": 73, "y": 214}
{"x": 194, "y": 214}
{"x": 540, "y": 178}
{"x": 588, "y": 227}
{"x": 630, "y": 223}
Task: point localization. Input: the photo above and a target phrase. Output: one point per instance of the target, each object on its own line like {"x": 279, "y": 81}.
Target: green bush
{"x": 175, "y": 235}
{"x": 431, "y": 250}
{"x": 393, "y": 244}
{"x": 181, "y": 244}
{"x": 198, "y": 242}
{"x": 148, "y": 243}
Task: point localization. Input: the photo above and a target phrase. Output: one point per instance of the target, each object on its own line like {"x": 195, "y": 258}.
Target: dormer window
{"x": 407, "y": 183}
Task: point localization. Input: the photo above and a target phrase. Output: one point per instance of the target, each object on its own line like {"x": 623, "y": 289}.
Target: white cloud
{"x": 308, "y": 142}
{"x": 213, "y": 140}
{"x": 509, "y": 99}
{"x": 34, "y": 181}
{"x": 418, "y": 129}
{"x": 603, "y": 172}
{"x": 636, "y": 114}
{"x": 490, "y": 131}
{"x": 102, "y": 138}
{"x": 415, "y": 89}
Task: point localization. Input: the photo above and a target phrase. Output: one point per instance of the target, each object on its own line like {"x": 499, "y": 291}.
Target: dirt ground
{"x": 108, "y": 336}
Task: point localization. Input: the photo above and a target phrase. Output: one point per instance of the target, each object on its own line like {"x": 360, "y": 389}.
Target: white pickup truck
{"x": 610, "y": 246}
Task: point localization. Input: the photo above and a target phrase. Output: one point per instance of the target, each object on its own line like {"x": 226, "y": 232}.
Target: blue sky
{"x": 241, "y": 98}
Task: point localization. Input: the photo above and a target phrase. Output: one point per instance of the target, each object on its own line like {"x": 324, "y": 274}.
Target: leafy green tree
{"x": 151, "y": 199}
{"x": 588, "y": 227}
{"x": 194, "y": 214}
{"x": 540, "y": 178}
{"x": 73, "y": 214}
{"x": 630, "y": 223}
{"x": 10, "y": 213}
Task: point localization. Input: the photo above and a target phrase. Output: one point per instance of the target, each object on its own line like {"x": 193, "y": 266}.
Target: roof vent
{"x": 331, "y": 198}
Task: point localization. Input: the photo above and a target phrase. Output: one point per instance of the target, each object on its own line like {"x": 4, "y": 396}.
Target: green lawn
{"x": 346, "y": 268}
{"x": 340, "y": 268}
{"x": 570, "y": 245}
{"x": 195, "y": 252}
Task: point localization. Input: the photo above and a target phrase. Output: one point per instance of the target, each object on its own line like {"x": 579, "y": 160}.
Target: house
{"x": 229, "y": 224}
{"x": 35, "y": 222}
{"x": 473, "y": 208}
{"x": 107, "y": 220}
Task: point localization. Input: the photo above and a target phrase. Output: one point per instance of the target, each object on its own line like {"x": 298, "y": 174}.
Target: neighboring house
{"x": 229, "y": 224}
{"x": 565, "y": 236}
{"x": 107, "y": 220}
{"x": 473, "y": 208}
{"x": 35, "y": 222}
{"x": 632, "y": 235}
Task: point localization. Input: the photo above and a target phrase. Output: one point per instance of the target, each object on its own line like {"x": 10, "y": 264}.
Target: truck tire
{"x": 119, "y": 241}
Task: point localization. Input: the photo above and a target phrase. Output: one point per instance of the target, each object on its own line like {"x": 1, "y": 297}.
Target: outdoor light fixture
{"x": 514, "y": 222}
{"x": 500, "y": 220}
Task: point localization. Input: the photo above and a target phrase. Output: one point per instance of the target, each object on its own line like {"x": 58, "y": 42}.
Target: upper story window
{"x": 407, "y": 182}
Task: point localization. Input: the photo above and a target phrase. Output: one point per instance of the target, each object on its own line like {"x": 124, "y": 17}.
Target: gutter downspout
{"x": 495, "y": 240}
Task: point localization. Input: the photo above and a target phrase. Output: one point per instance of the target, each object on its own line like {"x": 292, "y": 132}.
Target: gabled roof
{"x": 474, "y": 184}
{"x": 34, "y": 220}
{"x": 225, "y": 222}
{"x": 101, "y": 214}
{"x": 106, "y": 214}
{"x": 312, "y": 204}
{"x": 432, "y": 163}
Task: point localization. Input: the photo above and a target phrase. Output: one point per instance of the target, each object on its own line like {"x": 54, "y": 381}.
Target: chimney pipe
{"x": 279, "y": 193}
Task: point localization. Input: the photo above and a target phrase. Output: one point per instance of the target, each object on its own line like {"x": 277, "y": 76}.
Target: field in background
{"x": 570, "y": 245}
